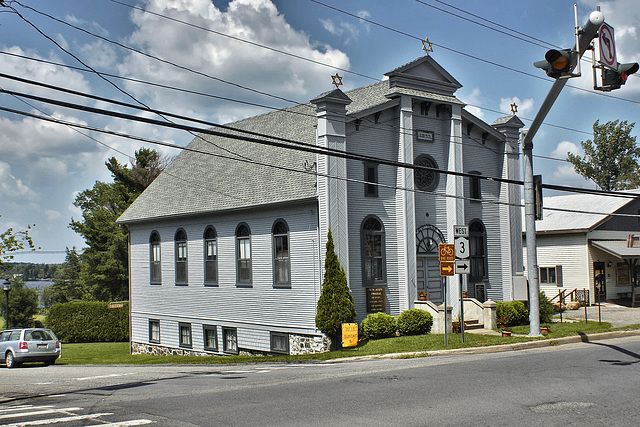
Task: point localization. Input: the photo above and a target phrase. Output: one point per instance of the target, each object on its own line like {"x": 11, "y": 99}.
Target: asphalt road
{"x": 584, "y": 384}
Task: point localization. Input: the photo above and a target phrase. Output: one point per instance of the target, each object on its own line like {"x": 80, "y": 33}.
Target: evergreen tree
{"x": 67, "y": 285}
{"x": 335, "y": 305}
{"x": 104, "y": 271}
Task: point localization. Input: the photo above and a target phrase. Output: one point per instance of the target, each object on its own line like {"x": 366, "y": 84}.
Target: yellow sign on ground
{"x": 349, "y": 334}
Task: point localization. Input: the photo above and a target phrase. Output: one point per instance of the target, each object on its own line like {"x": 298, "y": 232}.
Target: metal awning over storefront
{"x": 628, "y": 251}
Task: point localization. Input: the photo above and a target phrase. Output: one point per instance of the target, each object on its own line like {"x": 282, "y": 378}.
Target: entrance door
{"x": 428, "y": 278}
{"x": 600, "y": 282}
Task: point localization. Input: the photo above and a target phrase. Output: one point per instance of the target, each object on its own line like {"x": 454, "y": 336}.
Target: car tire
{"x": 10, "y": 360}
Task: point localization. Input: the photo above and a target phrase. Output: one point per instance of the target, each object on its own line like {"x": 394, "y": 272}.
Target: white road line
{"x": 97, "y": 377}
{"x": 126, "y": 423}
{"x": 21, "y": 408}
{"x": 40, "y": 412}
{"x": 57, "y": 420}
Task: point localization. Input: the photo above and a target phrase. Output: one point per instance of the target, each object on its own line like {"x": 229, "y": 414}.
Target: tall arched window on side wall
{"x": 243, "y": 255}
{"x": 281, "y": 261}
{"x": 210, "y": 256}
{"x": 373, "y": 251}
{"x": 181, "y": 257}
{"x": 155, "y": 266}
{"x": 478, "y": 251}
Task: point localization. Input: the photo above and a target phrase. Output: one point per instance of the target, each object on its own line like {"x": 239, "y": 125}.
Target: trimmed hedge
{"x": 379, "y": 325}
{"x": 89, "y": 321}
{"x": 415, "y": 322}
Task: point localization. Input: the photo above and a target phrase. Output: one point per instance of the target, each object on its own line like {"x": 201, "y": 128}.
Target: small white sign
{"x": 425, "y": 135}
{"x": 462, "y": 247}
{"x": 460, "y": 231}
{"x": 607, "y": 44}
{"x": 462, "y": 266}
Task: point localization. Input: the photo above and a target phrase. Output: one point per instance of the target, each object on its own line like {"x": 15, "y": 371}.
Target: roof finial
{"x": 337, "y": 80}
{"x": 427, "y": 46}
{"x": 514, "y": 108}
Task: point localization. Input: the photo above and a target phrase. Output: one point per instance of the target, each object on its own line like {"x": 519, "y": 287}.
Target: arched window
{"x": 373, "y": 252}
{"x": 181, "y": 257}
{"x": 210, "y": 256}
{"x": 155, "y": 271}
{"x": 426, "y": 179}
{"x": 281, "y": 262}
{"x": 478, "y": 251}
{"x": 243, "y": 255}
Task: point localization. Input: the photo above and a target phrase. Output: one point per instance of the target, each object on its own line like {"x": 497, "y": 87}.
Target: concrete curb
{"x": 499, "y": 348}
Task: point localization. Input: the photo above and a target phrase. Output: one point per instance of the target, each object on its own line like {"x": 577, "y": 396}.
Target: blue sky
{"x": 43, "y": 166}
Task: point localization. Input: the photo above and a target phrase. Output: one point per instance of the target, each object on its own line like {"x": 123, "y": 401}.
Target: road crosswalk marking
{"x": 22, "y": 416}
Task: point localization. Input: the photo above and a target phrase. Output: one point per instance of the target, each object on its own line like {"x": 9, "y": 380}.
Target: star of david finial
{"x": 514, "y": 108}
{"x": 427, "y": 46}
{"x": 337, "y": 80}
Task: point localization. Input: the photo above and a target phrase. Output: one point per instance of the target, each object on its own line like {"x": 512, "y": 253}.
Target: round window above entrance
{"x": 426, "y": 179}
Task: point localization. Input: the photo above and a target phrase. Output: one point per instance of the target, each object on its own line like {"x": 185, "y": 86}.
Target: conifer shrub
{"x": 335, "y": 305}
{"x": 415, "y": 322}
{"x": 546, "y": 308}
{"x": 379, "y": 325}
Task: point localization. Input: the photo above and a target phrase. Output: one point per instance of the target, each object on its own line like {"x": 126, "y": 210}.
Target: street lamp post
{"x": 7, "y": 288}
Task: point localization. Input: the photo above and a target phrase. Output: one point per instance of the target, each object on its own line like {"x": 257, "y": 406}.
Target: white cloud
{"x": 224, "y": 58}
{"x": 12, "y": 189}
{"x": 565, "y": 147}
{"x": 524, "y": 106}
{"x": 473, "y": 100}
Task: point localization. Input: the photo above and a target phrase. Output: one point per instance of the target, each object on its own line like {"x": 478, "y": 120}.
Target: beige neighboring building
{"x": 584, "y": 238}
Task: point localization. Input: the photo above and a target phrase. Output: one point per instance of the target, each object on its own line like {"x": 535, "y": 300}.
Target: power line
{"x": 297, "y": 145}
{"x": 304, "y": 171}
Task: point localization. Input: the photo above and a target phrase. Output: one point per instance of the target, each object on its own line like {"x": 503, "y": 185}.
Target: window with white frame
{"x": 185, "y": 334}
{"x": 155, "y": 271}
{"x": 210, "y": 256}
{"x": 210, "y": 337}
{"x": 230, "y": 340}
{"x": 281, "y": 261}
{"x": 181, "y": 257}
{"x": 154, "y": 331}
{"x": 243, "y": 255}
{"x": 373, "y": 251}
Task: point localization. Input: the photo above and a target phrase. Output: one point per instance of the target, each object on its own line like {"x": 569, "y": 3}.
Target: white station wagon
{"x": 29, "y": 345}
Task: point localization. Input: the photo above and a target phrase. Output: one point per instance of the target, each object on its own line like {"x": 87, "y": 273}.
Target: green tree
{"x": 335, "y": 305}
{"x": 104, "y": 263}
{"x": 11, "y": 241}
{"x": 611, "y": 159}
{"x": 67, "y": 285}
{"x": 23, "y": 304}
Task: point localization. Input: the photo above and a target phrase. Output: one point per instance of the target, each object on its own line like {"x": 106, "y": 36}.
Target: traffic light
{"x": 557, "y": 63}
{"x": 613, "y": 79}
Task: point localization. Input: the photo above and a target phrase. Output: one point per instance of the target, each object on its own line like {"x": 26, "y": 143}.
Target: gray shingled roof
{"x": 197, "y": 183}
{"x": 574, "y": 219}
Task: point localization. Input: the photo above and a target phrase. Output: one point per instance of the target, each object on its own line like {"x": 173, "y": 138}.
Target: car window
{"x": 38, "y": 336}
{"x": 15, "y": 336}
{"x": 5, "y": 336}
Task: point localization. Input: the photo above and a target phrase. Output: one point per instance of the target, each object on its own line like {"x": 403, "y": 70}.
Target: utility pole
{"x": 559, "y": 65}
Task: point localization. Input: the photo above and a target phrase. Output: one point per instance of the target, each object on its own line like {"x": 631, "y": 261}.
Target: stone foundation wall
{"x": 308, "y": 344}
{"x": 298, "y": 344}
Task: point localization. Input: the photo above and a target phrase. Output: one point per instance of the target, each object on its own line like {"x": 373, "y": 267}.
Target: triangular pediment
{"x": 424, "y": 74}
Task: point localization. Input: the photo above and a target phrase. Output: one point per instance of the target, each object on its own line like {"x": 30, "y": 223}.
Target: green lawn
{"x": 118, "y": 353}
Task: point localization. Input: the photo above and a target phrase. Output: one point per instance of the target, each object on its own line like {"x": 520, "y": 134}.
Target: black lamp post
{"x": 7, "y": 288}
